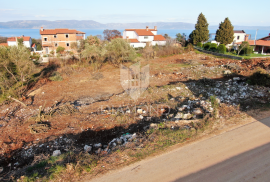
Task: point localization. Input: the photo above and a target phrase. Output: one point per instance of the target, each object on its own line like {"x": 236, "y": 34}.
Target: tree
{"x": 110, "y": 34}
{"x": 92, "y": 40}
{"x": 16, "y": 70}
{"x": 243, "y": 45}
{"x": 20, "y": 41}
{"x": 201, "y": 32}
{"x": 225, "y": 34}
{"x": 119, "y": 50}
{"x": 166, "y": 36}
{"x": 60, "y": 49}
{"x": 181, "y": 39}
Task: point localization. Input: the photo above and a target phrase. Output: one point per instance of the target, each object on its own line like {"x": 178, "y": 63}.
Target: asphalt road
{"x": 242, "y": 154}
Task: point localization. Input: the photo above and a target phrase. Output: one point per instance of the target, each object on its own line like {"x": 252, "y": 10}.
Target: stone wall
{"x": 218, "y": 54}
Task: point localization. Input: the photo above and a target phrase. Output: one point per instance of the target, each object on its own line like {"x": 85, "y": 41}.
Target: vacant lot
{"x": 91, "y": 108}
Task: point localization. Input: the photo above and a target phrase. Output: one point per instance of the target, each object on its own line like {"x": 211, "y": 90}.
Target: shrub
{"x": 207, "y": 45}
{"x": 221, "y": 48}
{"x": 56, "y": 76}
{"x": 199, "y": 44}
{"x": 119, "y": 50}
{"x": 60, "y": 49}
{"x": 189, "y": 47}
{"x": 213, "y": 47}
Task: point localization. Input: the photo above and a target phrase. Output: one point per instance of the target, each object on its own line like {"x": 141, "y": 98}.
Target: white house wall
{"x": 12, "y": 43}
{"x": 142, "y": 39}
{"x": 130, "y": 34}
{"x": 136, "y": 45}
{"x": 154, "y": 32}
{"x": 161, "y": 43}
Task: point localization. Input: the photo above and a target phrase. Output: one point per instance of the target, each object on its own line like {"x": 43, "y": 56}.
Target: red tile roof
{"x": 133, "y": 41}
{"x": 144, "y": 32}
{"x": 258, "y": 42}
{"x": 59, "y": 31}
{"x": 239, "y": 31}
{"x": 33, "y": 45}
{"x": 159, "y": 38}
{"x": 4, "y": 44}
{"x": 140, "y": 29}
{"x": 13, "y": 39}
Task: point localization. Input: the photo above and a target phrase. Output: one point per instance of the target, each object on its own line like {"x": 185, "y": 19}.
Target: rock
{"x": 187, "y": 116}
{"x": 56, "y": 153}
{"x": 118, "y": 141}
{"x": 1, "y": 169}
{"x": 141, "y": 117}
{"x": 236, "y": 78}
{"x": 197, "y": 111}
{"x": 98, "y": 145}
{"x": 179, "y": 115}
{"x": 128, "y": 111}
{"x": 87, "y": 148}
{"x": 178, "y": 88}
{"x": 153, "y": 126}
{"x": 218, "y": 100}
{"x": 140, "y": 111}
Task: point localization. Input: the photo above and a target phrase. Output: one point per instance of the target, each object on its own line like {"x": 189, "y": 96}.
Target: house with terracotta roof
{"x": 141, "y": 37}
{"x": 52, "y": 38}
{"x": 13, "y": 41}
{"x": 261, "y": 45}
{"x": 4, "y": 44}
{"x": 239, "y": 36}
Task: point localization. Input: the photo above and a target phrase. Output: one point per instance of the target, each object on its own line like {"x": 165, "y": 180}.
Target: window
{"x": 66, "y": 35}
{"x": 55, "y": 44}
{"x": 146, "y": 37}
{"x": 55, "y": 36}
{"x": 67, "y": 44}
{"x": 45, "y": 38}
{"x": 238, "y": 37}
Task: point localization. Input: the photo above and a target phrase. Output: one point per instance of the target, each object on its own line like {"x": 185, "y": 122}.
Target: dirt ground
{"x": 91, "y": 91}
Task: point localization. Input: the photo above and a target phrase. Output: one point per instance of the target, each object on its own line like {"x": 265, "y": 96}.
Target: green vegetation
{"x": 201, "y": 32}
{"x": 225, "y": 34}
{"x": 60, "y": 50}
{"x": 221, "y": 48}
{"x": 199, "y": 44}
{"x": 16, "y": 71}
{"x": 56, "y": 76}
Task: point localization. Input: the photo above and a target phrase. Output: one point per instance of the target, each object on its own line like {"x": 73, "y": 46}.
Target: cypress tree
{"x": 225, "y": 34}
{"x": 201, "y": 32}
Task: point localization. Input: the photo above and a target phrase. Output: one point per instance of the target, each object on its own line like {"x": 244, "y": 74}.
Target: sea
{"x": 34, "y": 33}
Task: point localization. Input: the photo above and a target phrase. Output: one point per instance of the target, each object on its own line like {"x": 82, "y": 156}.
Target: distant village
{"x": 137, "y": 38}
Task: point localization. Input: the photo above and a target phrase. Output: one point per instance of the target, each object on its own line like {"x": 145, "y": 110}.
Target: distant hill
{"x": 90, "y": 24}
{"x": 36, "y": 24}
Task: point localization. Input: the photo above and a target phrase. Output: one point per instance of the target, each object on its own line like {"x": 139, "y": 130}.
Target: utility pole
{"x": 255, "y": 37}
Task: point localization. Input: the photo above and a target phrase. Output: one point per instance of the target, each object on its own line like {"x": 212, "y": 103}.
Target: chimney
{"x": 146, "y": 28}
{"x": 155, "y": 27}
{"x": 246, "y": 37}
{"x": 41, "y": 29}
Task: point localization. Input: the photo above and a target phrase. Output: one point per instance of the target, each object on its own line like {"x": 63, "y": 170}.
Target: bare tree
{"x": 110, "y": 34}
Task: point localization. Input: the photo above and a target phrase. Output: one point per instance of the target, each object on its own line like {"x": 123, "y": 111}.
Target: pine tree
{"x": 201, "y": 32}
{"x": 225, "y": 34}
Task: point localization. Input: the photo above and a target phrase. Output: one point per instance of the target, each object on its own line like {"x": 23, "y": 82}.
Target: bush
{"x": 207, "y": 45}
{"x": 56, "y": 76}
{"x": 221, "y": 48}
{"x": 213, "y": 47}
{"x": 199, "y": 44}
{"x": 189, "y": 47}
{"x": 60, "y": 50}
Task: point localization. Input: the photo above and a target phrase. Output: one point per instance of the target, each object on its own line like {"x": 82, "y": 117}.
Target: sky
{"x": 240, "y": 12}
